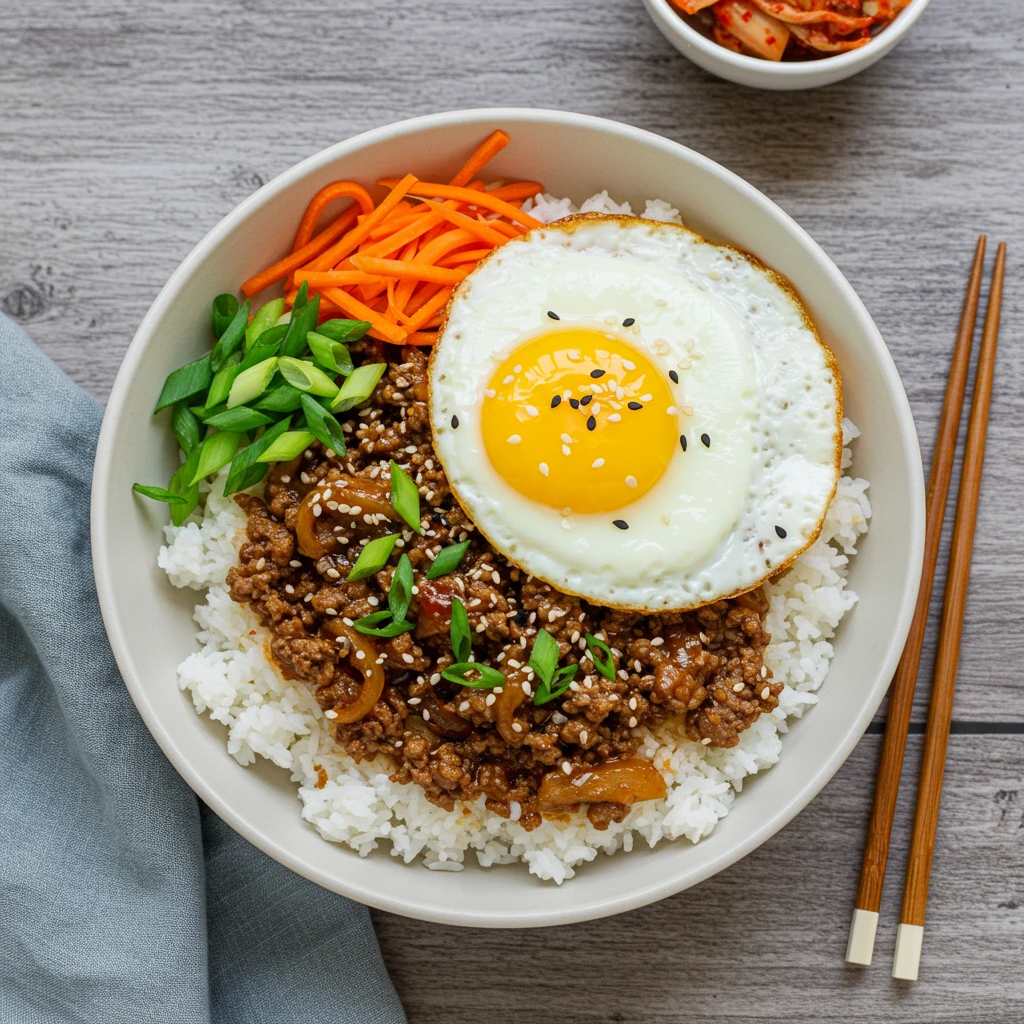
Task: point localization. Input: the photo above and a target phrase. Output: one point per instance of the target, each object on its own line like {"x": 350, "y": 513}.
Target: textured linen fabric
{"x": 122, "y": 898}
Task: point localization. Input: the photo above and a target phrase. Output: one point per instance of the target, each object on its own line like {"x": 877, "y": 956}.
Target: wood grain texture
{"x": 128, "y": 129}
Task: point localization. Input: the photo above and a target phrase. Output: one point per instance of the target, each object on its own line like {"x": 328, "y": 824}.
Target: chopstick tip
{"x": 907, "y": 960}
{"x": 861, "y": 945}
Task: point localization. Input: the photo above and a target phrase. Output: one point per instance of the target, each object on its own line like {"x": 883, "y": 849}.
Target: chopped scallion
{"x": 329, "y": 354}
{"x": 185, "y": 427}
{"x": 284, "y": 398}
{"x": 544, "y": 656}
{"x": 287, "y": 446}
{"x": 186, "y": 381}
{"x": 373, "y": 557}
{"x": 400, "y": 591}
{"x": 239, "y": 418}
{"x": 181, "y": 483}
{"x": 462, "y": 635}
{"x": 557, "y": 686}
{"x": 405, "y": 497}
{"x": 245, "y": 470}
{"x": 220, "y": 388}
{"x": 368, "y": 624}
{"x": 160, "y": 494}
{"x": 447, "y": 560}
{"x": 224, "y": 309}
{"x": 306, "y": 376}
{"x": 358, "y": 386}
{"x": 344, "y": 330}
{"x": 251, "y": 383}
{"x": 323, "y": 425}
{"x": 231, "y": 339}
{"x": 267, "y": 344}
{"x": 303, "y": 321}
{"x": 264, "y": 318}
{"x": 484, "y": 677}
{"x": 606, "y": 665}
{"x": 215, "y": 453}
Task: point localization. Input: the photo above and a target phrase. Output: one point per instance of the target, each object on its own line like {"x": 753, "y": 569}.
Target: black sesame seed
{"x": 674, "y": 376}
{"x": 634, "y": 406}
{"x": 455, "y": 422}
{"x": 620, "y": 523}
{"x": 781, "y": 532}
{"x": 556, "y": 401}
{"x": 521, "y": 617}
{"x": 682, "y": 441}
{"x": 629, "y": 321}
{"x": 591, "y": 423}
{"x": 597, "y": 373}
{"x": 574, "y": 402}
{"x": 587, "y": 400}
{"x": 705, "y": 440}
{"x": 554, "y": 316}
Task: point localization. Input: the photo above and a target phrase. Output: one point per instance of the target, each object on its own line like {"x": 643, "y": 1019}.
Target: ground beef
{"x": 704, "y": 667}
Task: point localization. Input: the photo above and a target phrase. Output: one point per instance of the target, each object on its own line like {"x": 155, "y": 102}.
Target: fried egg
{"x": 635, "y": 415}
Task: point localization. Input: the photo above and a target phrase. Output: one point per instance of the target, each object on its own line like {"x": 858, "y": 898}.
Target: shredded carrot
{"x": 284, "y": 267}
{"x": 393, "y": 224}
{"x": 484, "y": 199}
{"x": 421, "y": 338}
{"x": 320, "y": 202}
{"x": 516, "y": 190}
{"x": 409, "y": 270}
{"x": 429, "y": 308}
{"x": 317, "y": 279}
{"x": 475, "y": 227}
{"x": 354, "y": 308}
{"x": 483, "y": 154}
{"x": 509, "y": 230}
{"x": 465, "y": 256}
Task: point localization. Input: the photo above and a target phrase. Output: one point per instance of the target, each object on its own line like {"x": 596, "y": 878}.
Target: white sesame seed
{"x": 632, "y": 721}
{"x": 543, "y": 467}
{"x": 481, "y": 627}
{"x": 426, "y": 715}
{"x": 308, "y": 598}
{"x": 304, "y": 477}
{"x": 584, "y": 736}
{"x": 765, "y": 693}
{"x": 331, "y": 714}
{"x": 289, "y": 589}
{"x": 631, "y": 481}
{"x": 687, "y": 410}
{"x": 614, "y": 418}
{"x": 346, "y": 620}
{"x": 516, "y": 727}
{"x": 706, "y": 741}
{"x": 360, "y": 655}
{"x": 373, "y": 601}
{"x": 496, "y": 576}
{"x": 628, "y": 364}
{"x": 597, "y": 464}
{"x": 435, "y": 678}
{"x": 333, "y": 573}
{"x": 464, "y": 706}
{"x": 647, "y": 398}
{"x": 566, "y": 450}
{"x": 737, "y": 687}
{"x": 317, "y": 510}
{"x": 764, "y": 672}
{"x": 657, "y": 641}
{"x": 490, "y": 699}
{"x": 514, "y": 439}
{"x": 575, "y": 636}
{"x": 527, "y": 689}
{"x": 508, "y": 379}
{"x": 408, "y": 658}
{"x": 332, "y": 611}
{"x": 286, "y": 479}
{"x": 490, "y": 392}
{"x": 356, "y": 510}
{"x": 672, "y": 411}
{"x": 415, "y": 700}
{"x": 566, "y": 767}
{"x": 566, "y": 439}
{"x": 262, "y": 562}
{"x": 703, "y": 638}
{"x": 531, "y": 410}
{"x": 410, "y": 449}
{"x": 415, "y": 589}
{"x": 632, "y": 703}
{"x": 294, "y": 563}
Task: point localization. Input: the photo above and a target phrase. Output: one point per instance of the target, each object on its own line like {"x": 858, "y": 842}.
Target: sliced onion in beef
{"x": 621, "y": 782}
{"x": 372, "y": 673}
{"x": 442, "y": 721}
{"x": 315, "y": 533}
{"x": 505, "y": 705}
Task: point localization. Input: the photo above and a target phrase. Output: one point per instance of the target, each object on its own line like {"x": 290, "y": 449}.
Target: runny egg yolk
{"x": 579, "y": 419}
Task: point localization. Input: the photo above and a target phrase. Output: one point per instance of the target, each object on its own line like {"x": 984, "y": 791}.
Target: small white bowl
{"x": 150, "y": 622}
{"x": 686, "y": 35}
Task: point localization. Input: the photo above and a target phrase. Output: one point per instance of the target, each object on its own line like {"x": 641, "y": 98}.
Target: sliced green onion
{"x": 245, "y": 470}
{"x": 447, "y": 560}
{"x": 264, "y": 318}
{"x": 223, "y": 380}
{"x": 487, "y": 677}
{"x": 400, "y": 591}
{"x": 306, "y": 376}
{"x": 324, "y": 427}
{"x": 215, "y": 453}
{"x": 160, "y": 494}
{"x": 301, "y": 296}
{"x": 558, "y": 685}
{"x": 251, "y": 383}
{"x": 181, "y": 483}
{"x": 268, "y": 344}
{"x": 231, "y": 339}
{"x": 544, "y": 656}
{"x": 358, "y": 386}
{"x": 368, "y": 624}
{"x": 186, "y": 381}
{"x": 405, "y": 497}
{"x": 287, "y": 446}
{"x": 605, "y": 666}
{"x": 462, "y": 635}
{"x": 302, "y": 322}
{"x": 373, "y": 557}
{"x": 284, "y": 398}
{"x": 185, "y": 427}
{"x": 330, "y": 354}
{"x": 239, "y": 418}
{"x": 344, "y": 330}
{"x": 224, "y": 309}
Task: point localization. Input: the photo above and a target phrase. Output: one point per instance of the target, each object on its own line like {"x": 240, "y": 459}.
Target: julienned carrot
{"x": 393, "y": 224}
{"x": 464, "y": 256}
{"x": 317, "y": 279}
{"x": 314, "y": 248}
{"x": 475, "y": 227}
{"x": 509, "y": 230}
{"x": 421, "y": 338}
{"x": 409, "y": 270}
{"x": 354, "y": 308}
{"x": 516, "y": 190}
{"x": 350, "y": 242}
{"x": 484, "y": 153}
{"x": 452, "y": 238}
{"x": 429, "y": 308}
{"x": 320, "y": 202}
{"x": 484, "y": 199}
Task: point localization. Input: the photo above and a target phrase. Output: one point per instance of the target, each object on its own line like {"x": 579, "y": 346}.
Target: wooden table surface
{"x": 127, "y": 129}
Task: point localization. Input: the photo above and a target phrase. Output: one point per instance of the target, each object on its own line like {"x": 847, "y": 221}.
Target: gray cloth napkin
{"x": 122, "y": 898}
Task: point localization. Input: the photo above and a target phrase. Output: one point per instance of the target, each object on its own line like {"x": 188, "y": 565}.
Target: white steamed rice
{"x": 231, "y": 679}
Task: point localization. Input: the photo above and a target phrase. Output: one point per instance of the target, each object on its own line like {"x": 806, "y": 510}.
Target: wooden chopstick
{"x": 919, "y": 863}
{"x": 901, "y": 701}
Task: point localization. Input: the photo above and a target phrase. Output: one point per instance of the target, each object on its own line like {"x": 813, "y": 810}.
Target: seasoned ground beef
{"x": 457, "y": 742}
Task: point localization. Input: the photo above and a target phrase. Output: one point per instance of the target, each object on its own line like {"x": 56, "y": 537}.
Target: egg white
{"x": 760, "y": 383}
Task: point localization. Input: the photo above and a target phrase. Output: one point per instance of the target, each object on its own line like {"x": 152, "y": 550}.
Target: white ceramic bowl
{"x": 150, "y": 622}
{"x": 686, "y": 34}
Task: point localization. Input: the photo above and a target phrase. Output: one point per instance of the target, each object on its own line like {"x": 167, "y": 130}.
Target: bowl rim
{"x": 792, "y": 71}
{"x": 671, "y": 882}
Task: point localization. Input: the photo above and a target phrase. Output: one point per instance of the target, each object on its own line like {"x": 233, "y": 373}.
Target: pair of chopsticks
{"x": 915, "y": 893}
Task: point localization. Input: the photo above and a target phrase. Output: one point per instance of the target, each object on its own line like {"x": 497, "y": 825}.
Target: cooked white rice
{"x": 231, "y": 679}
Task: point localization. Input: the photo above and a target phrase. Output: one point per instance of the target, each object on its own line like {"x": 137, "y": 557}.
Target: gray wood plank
{"x": 127, "y": 130}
